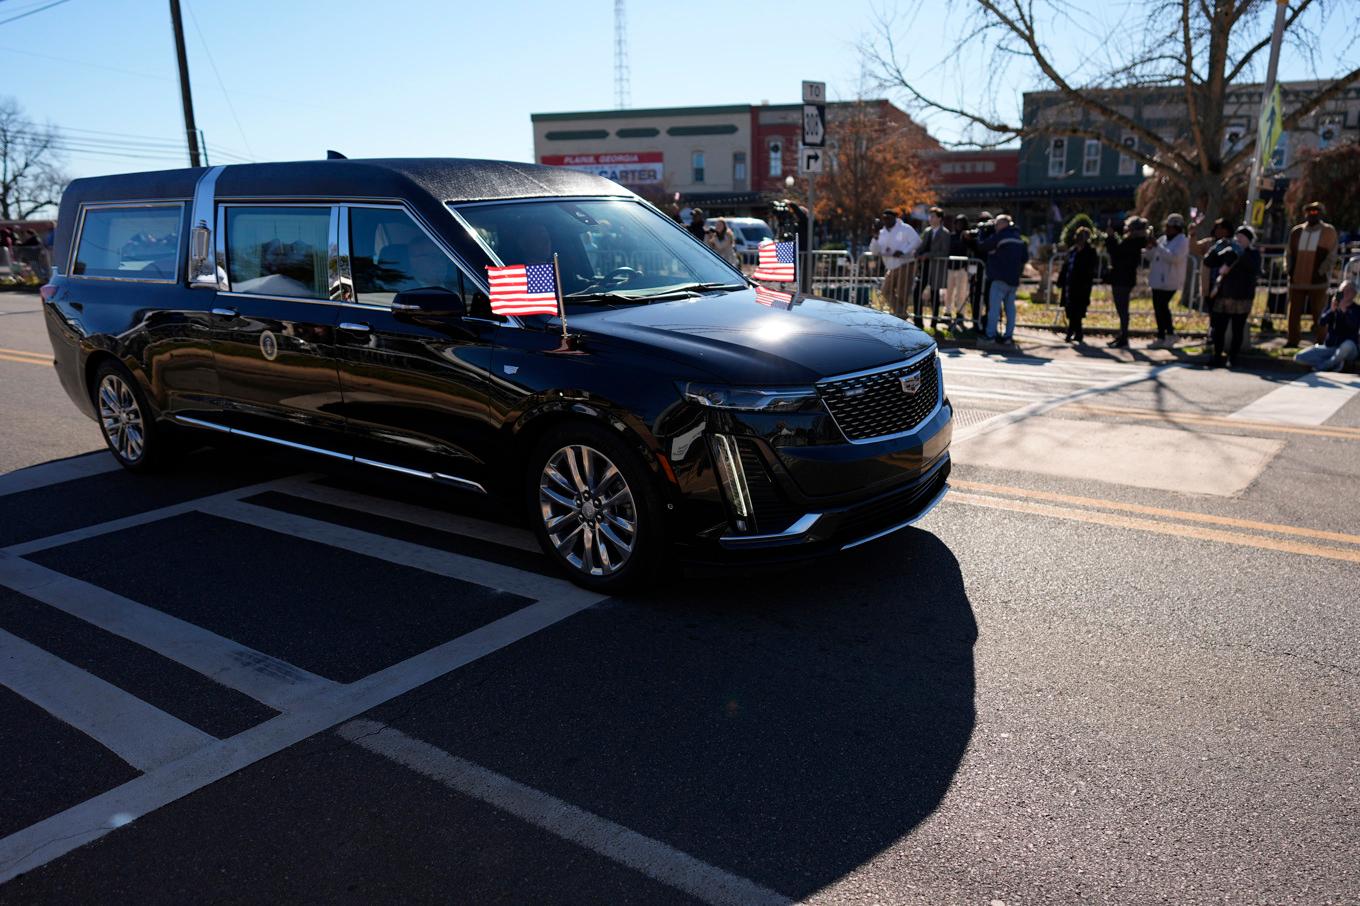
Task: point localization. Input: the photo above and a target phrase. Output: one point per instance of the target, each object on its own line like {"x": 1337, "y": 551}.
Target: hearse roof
{"x": 447, "y": 179}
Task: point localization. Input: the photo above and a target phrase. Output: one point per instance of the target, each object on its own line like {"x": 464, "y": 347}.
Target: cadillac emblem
{"x": 911, "y": 384}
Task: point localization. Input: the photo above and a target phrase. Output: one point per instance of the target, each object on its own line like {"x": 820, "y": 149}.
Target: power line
{"x": 32, "y": 11}
{"x": 220, "y": 84}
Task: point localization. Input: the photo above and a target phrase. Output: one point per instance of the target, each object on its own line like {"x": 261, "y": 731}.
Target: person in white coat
{"x": 1167, "y": 260}
{"x": 896, "y": 243}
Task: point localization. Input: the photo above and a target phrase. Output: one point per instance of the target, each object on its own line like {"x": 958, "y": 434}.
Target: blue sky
{"x": 426, "y": 77}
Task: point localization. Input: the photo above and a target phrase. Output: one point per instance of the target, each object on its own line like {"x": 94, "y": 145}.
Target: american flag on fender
{"x": 523, "y": 289}
{"x": 777, "y": 262}
{"x": 771, "y": 298}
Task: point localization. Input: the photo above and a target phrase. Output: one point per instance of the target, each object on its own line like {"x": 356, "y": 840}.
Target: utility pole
{"x": 1253, "y": 187}
{"x": 190, "y": 130}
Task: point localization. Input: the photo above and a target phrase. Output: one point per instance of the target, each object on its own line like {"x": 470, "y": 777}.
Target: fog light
{"x": 733, "y": 478}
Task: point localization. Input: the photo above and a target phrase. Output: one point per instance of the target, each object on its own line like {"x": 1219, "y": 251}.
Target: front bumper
{"x": 845, "y": 527}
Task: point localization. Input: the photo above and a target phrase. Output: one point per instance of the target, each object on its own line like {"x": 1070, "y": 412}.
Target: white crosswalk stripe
{"x": 142, "y": 735}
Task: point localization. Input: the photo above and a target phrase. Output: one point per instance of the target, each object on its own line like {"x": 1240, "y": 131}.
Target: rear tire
{"x": 595, "y": 509}
{"x": 129, "y": 426}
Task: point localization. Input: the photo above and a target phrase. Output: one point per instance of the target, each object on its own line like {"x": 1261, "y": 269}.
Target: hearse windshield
{"x": 609, "y": 251}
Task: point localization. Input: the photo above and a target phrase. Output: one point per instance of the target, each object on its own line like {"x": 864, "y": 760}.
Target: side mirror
{"x": 430, "y": 302}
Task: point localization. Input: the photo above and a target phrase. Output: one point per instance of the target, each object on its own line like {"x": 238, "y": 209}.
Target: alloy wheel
{"x": 121, "y": 418}
{"x": 588, "y": 510}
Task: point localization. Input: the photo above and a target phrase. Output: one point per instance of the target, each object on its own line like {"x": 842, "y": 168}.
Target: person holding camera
{"x": 1006, "y": 255}
{"x": 1167, "y": 259}
{"x": 1341, "y": 343}
{"x": 896, "y": 242}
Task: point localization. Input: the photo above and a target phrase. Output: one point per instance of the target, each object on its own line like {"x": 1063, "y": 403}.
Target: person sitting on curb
{"x": 1342, "y": 341}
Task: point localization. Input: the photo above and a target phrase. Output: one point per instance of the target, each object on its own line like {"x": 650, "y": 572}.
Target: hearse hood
{"x": 738, "y": 340}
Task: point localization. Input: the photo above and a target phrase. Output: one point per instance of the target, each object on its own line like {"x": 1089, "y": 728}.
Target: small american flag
{"x": 523, "y": 289}
{"x": 776, "y": 262}
{"x": 771, "y": 298}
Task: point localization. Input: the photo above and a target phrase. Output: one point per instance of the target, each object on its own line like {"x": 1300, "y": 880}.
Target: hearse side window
{"x": 134, "y": 243}
{"x": 278, "y": 251}
{"x": 390, "y": 254}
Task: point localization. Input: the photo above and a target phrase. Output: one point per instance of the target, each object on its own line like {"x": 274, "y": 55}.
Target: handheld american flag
{"x": 523, "y": 289}
{"x": 777, "y": 262}
{"x": 766, "y": 296}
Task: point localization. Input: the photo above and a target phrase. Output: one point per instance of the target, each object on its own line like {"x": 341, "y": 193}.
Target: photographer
{"x": 1341, "y": 344}
{"x": 982, "y": 286}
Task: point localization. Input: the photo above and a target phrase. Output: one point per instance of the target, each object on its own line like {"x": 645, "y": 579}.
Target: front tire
{"x": 594, "y": 508}
{"x": 126, "y": 421}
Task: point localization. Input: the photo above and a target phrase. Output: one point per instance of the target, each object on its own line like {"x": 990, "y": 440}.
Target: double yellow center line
{"x": 24, "y": 357}
{"x": 1180, "y": 523}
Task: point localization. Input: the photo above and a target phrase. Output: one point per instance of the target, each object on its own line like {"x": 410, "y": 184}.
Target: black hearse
{"x": 340, "y": 307}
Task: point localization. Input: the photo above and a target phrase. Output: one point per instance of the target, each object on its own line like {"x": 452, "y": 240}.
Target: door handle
{"x": 354, "y": 326}
{"x": 224, "y": 312}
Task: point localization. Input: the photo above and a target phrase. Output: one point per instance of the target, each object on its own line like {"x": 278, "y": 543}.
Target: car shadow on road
{"x": 788, "y": 727}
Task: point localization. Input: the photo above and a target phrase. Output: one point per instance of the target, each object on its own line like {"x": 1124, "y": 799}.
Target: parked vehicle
{"x": 340, "y": 307}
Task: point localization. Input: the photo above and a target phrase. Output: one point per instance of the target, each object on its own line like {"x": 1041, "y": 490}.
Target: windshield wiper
{"x": 600, "y": 296}
{"x": 704, "y": 287}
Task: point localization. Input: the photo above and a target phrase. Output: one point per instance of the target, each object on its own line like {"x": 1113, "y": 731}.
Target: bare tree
{"x": 31, "y": 178}
{"x": 1196, "y": 50}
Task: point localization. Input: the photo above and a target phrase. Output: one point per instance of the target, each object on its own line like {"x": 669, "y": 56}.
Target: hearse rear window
{"x": 134, "y": 243}
{"x": 278, "y": 251}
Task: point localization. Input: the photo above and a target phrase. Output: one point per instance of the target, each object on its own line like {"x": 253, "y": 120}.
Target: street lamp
{"x": 1148, "y": 171}
{"x": 788, "y": 182}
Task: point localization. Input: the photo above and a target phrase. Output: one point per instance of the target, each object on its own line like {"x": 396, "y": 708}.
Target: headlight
{"x": 752, "y": 399}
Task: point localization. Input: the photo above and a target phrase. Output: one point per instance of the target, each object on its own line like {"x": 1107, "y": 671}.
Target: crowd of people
{"x": 938, "y": 267}
{"x": 24, "y": 250}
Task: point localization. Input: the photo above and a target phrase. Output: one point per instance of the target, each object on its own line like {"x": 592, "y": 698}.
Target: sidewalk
{"x": 1047, "y": 344}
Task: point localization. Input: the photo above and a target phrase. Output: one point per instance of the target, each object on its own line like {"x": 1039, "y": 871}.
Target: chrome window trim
{"x": 464, "y": 483}
{"x": 309, "y": 300}
{"x": 86, "y": 207}
{"x": 453, "y": 205}
{"x": 204, "y": 274}
{"x": 939, "y": 398}
{"x": 224, "y": 284}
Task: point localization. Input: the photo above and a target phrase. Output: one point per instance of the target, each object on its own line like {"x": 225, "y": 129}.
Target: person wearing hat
{"x": 896, "y": 243}
{"x": 1309, "y": 258}
{"x": 1231, "y": 294}
{"x": 697, "y": 222}
{"x": 1167, "y": 258}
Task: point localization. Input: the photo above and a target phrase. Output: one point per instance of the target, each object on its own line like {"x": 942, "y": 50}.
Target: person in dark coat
{"x": 1232, "y": 294}
{"x": 1076, "y": 278}
{"x": 1126, "y": 254}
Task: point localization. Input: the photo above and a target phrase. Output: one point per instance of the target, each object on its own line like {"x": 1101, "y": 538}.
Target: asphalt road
{"x": 1092, "y": 674}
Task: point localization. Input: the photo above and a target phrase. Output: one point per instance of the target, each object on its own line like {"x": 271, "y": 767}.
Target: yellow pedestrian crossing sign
{"x": 1270, "y": 129}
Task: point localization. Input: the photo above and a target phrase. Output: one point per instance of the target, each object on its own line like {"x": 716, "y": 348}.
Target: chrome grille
{"x": 875, "y": 404}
